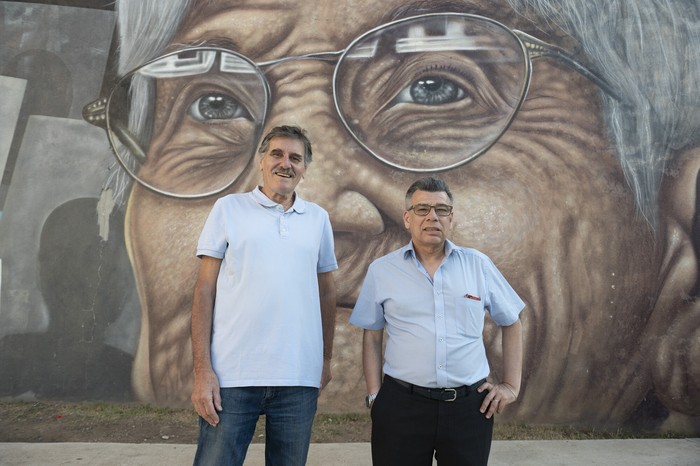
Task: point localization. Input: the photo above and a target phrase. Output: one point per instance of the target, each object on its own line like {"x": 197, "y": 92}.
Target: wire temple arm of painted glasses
{"x": 95, "y": 113}
{"x": 539, "y": 48}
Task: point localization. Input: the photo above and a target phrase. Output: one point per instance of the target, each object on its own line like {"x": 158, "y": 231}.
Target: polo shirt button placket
{"x": 284, "y": 228}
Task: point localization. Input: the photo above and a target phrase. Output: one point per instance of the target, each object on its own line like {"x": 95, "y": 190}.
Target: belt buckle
{"x": 454, "y": 393}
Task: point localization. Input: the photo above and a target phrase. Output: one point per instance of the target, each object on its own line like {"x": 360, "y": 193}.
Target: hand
{"x": 206, "y": 396}
{"x": 497, "y": 399}
{"x": 325, "y": 374}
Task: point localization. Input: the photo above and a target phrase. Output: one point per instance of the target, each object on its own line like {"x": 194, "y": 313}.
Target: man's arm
{"x": 372, "y": 359}
{"x": 206, "y": 394}
{"x": 513, "y": 356}
{"x": 507, "y": 391}
{"x": 327, "y": 293}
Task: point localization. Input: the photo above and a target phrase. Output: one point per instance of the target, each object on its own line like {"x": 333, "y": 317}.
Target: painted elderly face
{"x": 547, "y": 202}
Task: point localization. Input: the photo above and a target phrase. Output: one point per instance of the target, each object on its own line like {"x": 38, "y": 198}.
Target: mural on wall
{"x": 568, "y": 133}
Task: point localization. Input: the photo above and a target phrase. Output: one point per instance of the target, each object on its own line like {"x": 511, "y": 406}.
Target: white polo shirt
{"x": 267, "y": 314}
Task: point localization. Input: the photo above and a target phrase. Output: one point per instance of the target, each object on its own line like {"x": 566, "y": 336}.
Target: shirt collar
{"x": 409, "y": 250}
{"x": 299, "y": 204}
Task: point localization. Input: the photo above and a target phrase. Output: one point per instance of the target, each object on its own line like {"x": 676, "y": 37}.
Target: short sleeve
{"x": 326, "y": 254}
{"x": 504, "y": 304}
{"x": 212, "y": 241}
{"x": 368, "y": 312}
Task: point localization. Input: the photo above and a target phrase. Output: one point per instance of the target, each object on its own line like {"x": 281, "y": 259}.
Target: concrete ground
{"x": 657, "y": 452}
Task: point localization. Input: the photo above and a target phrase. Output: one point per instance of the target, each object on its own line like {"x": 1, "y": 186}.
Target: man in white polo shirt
{"x": 264, "y": 312}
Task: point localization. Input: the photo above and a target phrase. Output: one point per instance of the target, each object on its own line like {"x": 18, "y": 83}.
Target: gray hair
{"x": 293, "y": 132}
{"x": 428, "y": 184}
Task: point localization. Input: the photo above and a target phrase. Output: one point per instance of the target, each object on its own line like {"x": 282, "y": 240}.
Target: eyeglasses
{"x": 422, "y": 94}
{"x": 442, "y": 210}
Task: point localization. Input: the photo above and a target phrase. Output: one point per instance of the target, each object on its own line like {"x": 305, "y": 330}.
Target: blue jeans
{"x": 289, "y": 415}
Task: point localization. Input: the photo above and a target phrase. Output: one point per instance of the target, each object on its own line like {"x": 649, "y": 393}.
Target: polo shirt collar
{"x": 299, "y": 204}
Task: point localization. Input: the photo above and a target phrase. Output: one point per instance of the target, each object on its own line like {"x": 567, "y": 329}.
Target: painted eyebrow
{"x": 417, "y": 7}
{"x": 213, "y": 42}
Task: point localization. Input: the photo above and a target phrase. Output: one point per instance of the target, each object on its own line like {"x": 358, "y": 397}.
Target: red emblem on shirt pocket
{"x": 471, "y": 296}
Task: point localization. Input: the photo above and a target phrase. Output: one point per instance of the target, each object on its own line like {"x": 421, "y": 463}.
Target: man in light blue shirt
{"x": 431, "y": 297}
{"x": 263, "y": 315}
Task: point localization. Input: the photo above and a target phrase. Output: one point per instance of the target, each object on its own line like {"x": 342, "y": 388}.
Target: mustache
{"x": 285, "y": 171}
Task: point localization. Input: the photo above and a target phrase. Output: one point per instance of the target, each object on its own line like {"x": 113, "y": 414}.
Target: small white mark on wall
{"x": 104, "y": 208}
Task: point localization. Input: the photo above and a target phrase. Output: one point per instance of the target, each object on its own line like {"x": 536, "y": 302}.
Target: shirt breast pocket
{"x": 469, "y": 317}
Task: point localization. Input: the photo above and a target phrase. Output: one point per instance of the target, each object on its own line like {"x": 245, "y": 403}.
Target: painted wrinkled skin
{"x": 548, "y": 203}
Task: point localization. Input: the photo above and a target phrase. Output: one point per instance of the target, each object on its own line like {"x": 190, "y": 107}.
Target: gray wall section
{"x": 11, "y": 96}
{"x": 60, "y": 160}
{"x": 51, "y": 160}
{"x": 69, "y": 314}
{"x": 77, "y": 38}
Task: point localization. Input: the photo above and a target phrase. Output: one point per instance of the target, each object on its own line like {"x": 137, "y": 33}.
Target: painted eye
{"x": 217, "y": 107}
{"x": 431, "y": 90}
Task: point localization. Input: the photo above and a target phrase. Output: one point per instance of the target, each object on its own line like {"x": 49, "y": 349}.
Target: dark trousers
{"x": 407, "y": 429}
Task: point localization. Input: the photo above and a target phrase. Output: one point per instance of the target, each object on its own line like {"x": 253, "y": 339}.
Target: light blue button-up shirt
{"x": 434, "y": 326}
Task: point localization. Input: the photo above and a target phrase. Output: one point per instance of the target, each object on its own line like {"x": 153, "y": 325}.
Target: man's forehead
{"x": 286, "y": 144}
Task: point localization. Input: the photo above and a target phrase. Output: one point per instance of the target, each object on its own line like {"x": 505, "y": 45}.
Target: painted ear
{"x": 675, "y": 325}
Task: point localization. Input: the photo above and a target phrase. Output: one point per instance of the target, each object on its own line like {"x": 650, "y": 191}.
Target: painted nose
{"x": 341, "y": 181}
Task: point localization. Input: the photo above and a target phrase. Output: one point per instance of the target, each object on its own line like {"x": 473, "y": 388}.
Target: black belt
{"x": 441, "y": 394}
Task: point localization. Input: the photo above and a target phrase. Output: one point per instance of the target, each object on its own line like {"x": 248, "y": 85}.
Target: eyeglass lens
{"x": 188, "y": 123}
{"x": 442, "y": 210}
{"x": 433, "y": 92}
{"x": 423, "y": 94}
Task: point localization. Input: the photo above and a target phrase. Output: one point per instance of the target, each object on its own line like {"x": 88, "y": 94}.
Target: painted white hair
{"x": 649, "y": 51}
{"x": 145, "y": 29}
